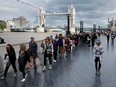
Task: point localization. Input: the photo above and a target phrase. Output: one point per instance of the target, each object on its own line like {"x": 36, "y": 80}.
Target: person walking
{"x": 55, "y": 49}
{"x": 67, "y": 45}
{"x": 98, "y": 51}
{"x": 22, "y": 60}
{"x": 88, "y": 40}
{"x": 108, "y": 37}
{"x": 48, "y": 53}
{"x": 33, "y": 47}
{"x": 93, "y": 39}
{"x": 12, "y": 60}
{"x": 42, "y": 47}
{"x": 61, "y": 45}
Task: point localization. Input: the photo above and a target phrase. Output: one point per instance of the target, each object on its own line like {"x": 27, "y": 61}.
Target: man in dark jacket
{"x": 33, "y": 47}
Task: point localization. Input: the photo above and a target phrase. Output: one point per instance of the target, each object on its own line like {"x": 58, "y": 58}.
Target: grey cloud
{"x": 90, "y": 11}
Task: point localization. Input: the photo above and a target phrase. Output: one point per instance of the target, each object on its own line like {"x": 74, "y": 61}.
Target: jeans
{"x": 49, "y": 58}
{"x": 97, "y": 63}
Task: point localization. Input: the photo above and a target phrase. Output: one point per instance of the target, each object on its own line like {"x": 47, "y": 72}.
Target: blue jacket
{"x": 55, "y": 45}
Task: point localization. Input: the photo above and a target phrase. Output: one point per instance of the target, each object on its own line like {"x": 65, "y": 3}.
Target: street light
{"x": 94, "y": 27}
{"x": 68, "y": 24}
{"x": 99, "y": 28}
{"x": 81, "y": 26}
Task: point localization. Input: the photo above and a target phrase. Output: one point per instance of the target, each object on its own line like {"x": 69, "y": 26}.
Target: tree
{"x": 2, "y": 25}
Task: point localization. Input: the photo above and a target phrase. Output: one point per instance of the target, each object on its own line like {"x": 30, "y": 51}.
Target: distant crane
{"x": 40, "y": 15}
{"x": 27, "y": 4}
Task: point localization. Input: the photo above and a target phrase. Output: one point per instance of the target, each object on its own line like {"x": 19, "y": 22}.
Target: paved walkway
{"x": 77, "y": 70}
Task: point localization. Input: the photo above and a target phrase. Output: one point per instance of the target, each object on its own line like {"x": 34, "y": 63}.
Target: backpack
{"x": 48, "y": 48}
{"x": 60, "y": 41}
{"x": 55, "y": 43}
{"x": 73, "y": 41}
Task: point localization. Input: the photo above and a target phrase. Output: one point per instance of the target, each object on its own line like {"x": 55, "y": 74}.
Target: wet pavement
{"x": 77, "y": 70}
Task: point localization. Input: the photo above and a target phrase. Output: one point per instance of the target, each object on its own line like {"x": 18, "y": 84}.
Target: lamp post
{"x": 81, "y": 26}
{"x": 94, "y": 27}
{"x": 99, "y": 29}
{"x": 68, "y": 24}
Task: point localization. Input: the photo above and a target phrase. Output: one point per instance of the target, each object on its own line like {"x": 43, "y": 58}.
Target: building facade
{"x": 17, "y": 23}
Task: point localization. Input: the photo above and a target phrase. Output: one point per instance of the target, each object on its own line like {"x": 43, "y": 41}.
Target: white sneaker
{"x": 96, "y": 73}
{"x": 26, "y": 75}
{"x": 50, "y": 67}
{"x": 99, "y": 73}
{"x": 54, "y": 61}
{"x": 2, "y": 78}
{"x": 44, "y": 69}
{"x": 23, "y": 80}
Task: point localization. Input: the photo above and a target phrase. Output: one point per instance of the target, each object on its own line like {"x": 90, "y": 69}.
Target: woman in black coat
{"x": 22, "y": 60}
{"x": 12, "y": 59}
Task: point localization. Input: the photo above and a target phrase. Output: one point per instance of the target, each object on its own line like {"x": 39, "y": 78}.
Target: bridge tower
{"x": 113, "y": 27}
{"x": 112, "y": 24}
{"x": 40, "y": 20}
{"x": 40, "y": 15}
{"x": 72, "y": 12}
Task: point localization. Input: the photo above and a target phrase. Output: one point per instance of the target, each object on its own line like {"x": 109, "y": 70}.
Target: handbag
{"x": 29, "y": 64}
{"x": 37, "y": 62}
{"x": 62, "y": 50}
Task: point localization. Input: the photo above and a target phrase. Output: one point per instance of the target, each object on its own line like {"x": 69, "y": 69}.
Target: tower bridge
{"x": 41, "y": 17}
{"x": 56, "y": 14}
{"x": 70, "y": 18}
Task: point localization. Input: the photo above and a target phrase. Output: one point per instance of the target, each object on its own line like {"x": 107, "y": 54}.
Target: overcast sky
{"x": 90, "y": 11}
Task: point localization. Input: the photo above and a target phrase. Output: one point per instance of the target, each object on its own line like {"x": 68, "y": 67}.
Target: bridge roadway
{"x": 77, "y": 70}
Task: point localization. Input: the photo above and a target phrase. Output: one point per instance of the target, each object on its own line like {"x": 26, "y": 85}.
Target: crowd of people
{"x": 110, "y": 35}
{"x": 51, "y": 47}
{"x": 24, "y": 57}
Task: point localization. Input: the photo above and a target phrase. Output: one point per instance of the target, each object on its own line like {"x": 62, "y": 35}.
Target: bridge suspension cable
{"x": 27, "y": 4}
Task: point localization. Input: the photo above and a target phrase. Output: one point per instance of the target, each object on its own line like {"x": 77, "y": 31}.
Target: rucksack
{"x": 60, "y": 42}
{"x": 73, "y": 41}
{"x": 48, "y": 48}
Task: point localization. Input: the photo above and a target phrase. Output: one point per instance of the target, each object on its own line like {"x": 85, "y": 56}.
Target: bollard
{"x": 1, "y": 65}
